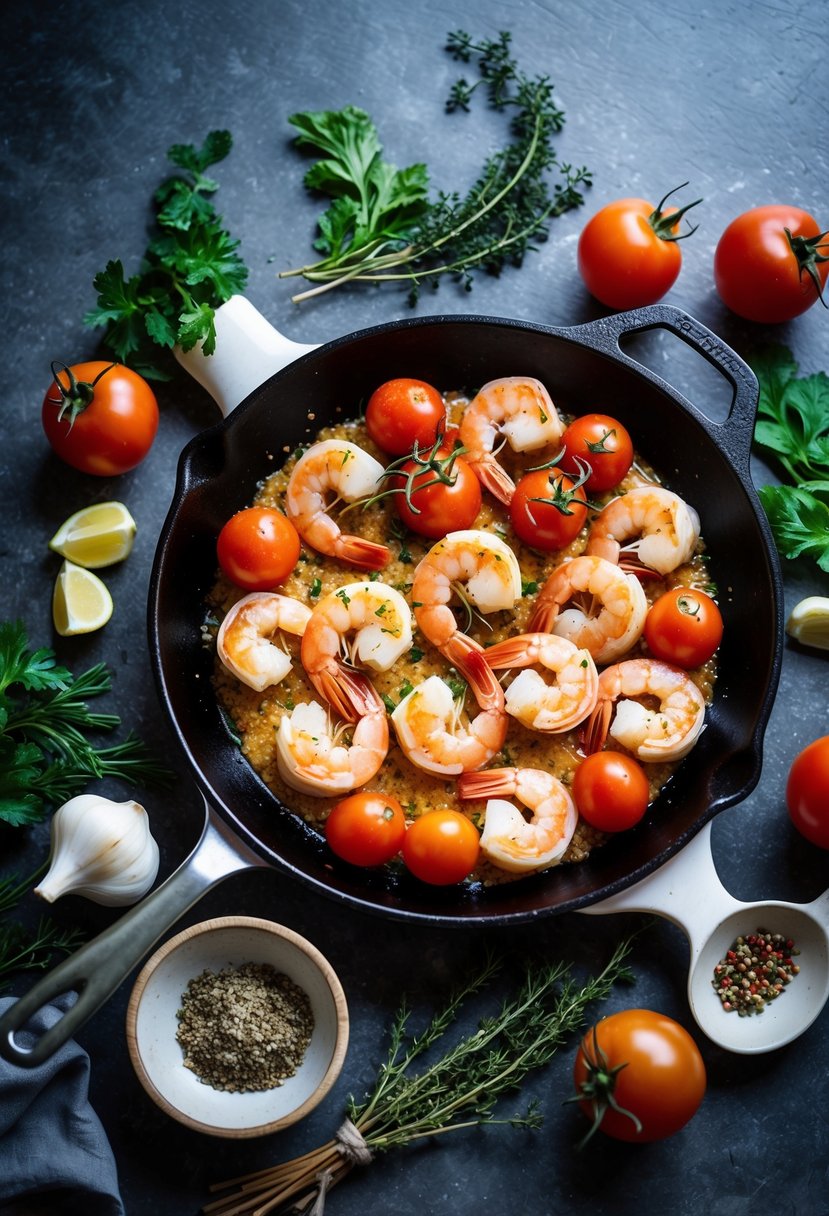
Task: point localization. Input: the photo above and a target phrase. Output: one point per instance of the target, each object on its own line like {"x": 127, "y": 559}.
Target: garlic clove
{"x": 101, "y": 849}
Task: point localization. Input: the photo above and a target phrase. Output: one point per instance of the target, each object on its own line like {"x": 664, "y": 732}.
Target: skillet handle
{"x": 249, "y": 350}
{"x": 99, "y": 967}
{"x": 735, "y": 435}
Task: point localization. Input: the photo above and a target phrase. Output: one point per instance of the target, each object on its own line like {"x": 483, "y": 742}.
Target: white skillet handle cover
{"x": 99, "y": 967}
{"x": 248, "y": 352}
{"x": 685, "y": 890}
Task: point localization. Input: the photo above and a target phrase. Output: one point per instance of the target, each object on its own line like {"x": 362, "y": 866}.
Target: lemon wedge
{"x": 80, "y": 603}
{"x": 96, "y": 536}
{"x": 809, "y": 622}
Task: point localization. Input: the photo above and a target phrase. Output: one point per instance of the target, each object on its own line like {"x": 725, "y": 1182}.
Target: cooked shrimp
{"x": 510, "y": 841}
{"x": 666, "y": 529}
{"x": 547, "y": 705}
{"x": 311, "y": 758}
{"x": 483, "y": 571}
{"x": 435, "y": 734}
{"x": 664, "y": 733}
{"x": 334, "y": 467}
{"x": 245, "y": 642}
{"x": 378, "y": 622}
{"x": 520, "y": 409}
{"x": 593, "y": 604}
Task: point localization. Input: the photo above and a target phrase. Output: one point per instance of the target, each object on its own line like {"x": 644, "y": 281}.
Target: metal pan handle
{"x": 99, "y": 967}
{"x": 736, "y": 433}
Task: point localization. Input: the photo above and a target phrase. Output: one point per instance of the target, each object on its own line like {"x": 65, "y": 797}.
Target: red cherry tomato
{"x": 652, "y": 1068}
{"x": 548, "y": 509}
{"x": 765, "y": 275}
{"x": 258, "y": 548}
{"x": 601, "y": 442}
{"x": 435, "y": 506}
{"x": 366, "y": 829}
{"x": 100, "y": 418}
{"x": 684, "y": 627}
{"x": 611, "y": 791}
{"x": 441, "y": 847}
{"x": 807, "y": 792}
{"x": 402, "y": 412}
{"x": 628, "y": 253}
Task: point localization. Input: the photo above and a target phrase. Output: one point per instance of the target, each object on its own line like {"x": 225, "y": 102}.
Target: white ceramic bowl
{"x": 152, "y": 1024}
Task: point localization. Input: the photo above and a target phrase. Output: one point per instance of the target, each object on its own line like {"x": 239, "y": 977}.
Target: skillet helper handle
{"x": 736, "y": 433}
{"x": 249, "y": 350}
{"x": 685, "y": 890}
{"x": 99, "y": 967}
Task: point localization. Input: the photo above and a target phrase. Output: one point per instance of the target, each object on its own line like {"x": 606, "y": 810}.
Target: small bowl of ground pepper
{"x": 237, "y": 1027}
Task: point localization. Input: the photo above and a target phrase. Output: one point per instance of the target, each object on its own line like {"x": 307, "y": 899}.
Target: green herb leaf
{"x": 793, "y": 415}
{"x": 190, "y": 268}
{"x": 45, "y": 753}
{"x": 381, "y": 227}
{"x": 799, "y": 519}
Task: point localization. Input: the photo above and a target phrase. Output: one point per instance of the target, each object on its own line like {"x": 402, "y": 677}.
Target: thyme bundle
{"x": 381, "y": 226}
{"x": 458, "y": 1090}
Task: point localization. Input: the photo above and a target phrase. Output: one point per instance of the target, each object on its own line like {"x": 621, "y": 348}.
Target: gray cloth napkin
{"x": 54, "y": 1153}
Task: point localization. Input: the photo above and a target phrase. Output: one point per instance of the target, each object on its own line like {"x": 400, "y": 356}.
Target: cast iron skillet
{"x": 584, "y": 368}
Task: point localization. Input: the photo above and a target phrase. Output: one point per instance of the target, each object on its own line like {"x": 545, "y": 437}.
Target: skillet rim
{"x": 601, "y": 337}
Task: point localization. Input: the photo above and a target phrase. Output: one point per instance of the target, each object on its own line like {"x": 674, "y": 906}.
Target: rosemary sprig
{"x": 24, "y": 951}
{"x": 46, "y": 755}
{"x": 415, "y": 241}
{"x": 459, "y": 1090}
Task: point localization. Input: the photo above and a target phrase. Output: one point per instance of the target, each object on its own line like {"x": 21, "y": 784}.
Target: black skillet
{"x": 584, "y": 368}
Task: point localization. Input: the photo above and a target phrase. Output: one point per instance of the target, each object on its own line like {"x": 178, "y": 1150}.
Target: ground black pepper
{"x": 245, "y": 1028}
{"x": 755, "y": 971}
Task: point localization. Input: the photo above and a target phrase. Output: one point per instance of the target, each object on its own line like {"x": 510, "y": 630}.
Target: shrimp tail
{"x": 594, "y": 731}
{"x": 347, "y": 692}
{"x": 495, "y": 479}
{"x": 365, "y": 554}
{"x": 468, "y": 657}
{"x": 512, "y": 652}
{"x": 543, "y": 616}
{"x": 492, "y": 783}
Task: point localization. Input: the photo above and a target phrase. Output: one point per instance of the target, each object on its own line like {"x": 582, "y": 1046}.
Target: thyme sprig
{"x": 413, "y": 467}
{"x": 460, "y": 1089}
{"x": 381, "y": 227}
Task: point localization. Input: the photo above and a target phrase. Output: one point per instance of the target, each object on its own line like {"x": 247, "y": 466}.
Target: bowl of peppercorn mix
{"x": 237, "y": 1027}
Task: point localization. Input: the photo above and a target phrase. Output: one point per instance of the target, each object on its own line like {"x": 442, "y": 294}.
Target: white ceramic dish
{"x": 152, "y": 1024}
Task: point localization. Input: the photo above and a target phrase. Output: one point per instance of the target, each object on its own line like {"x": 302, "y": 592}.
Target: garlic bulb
{"x": 102, "y": 850}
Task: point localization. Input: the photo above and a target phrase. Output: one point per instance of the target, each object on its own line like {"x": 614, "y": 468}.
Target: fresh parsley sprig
{"x": 190, "y": 267}
{"x": 46, "y": 755}
{"x": 381, "y": 228}
{"x": 793, "y": 424}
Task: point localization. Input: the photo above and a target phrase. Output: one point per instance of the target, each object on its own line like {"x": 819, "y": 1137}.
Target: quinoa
{"x": 256, "y": 716}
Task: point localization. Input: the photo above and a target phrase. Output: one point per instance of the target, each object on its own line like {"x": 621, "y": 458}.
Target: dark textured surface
{"x": 94, "y": 95}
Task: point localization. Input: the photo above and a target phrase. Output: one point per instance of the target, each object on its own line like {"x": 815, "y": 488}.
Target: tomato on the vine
{"x": 548, "y": 509}
{"x": 601, "y": 442}
{"x": 628, "y": 253}
{"x": 611, "y": 791}
{"x": 258, "y": 548}
{"x": 684, "y": 627}
{"x": 403, "y": 412}
{"x": 441, "y": 847}
{"x": 437, "y": 492}
{"x": 99, "y": 417}
{"x": 771, "y": 263}
{"x": 651, "y": 1068}
{"x": 807, "y": 792}
{"x": 366, "y": 829}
